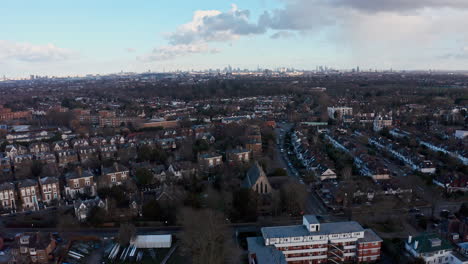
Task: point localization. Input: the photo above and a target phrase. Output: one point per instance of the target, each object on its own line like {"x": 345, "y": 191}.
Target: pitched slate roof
{"x": 7, "y": 186}
{"x": 27, "y": 183}
{"x": 253, "y": 174}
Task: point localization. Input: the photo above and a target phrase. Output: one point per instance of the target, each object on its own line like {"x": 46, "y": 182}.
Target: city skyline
{"x": 55, "y": 39}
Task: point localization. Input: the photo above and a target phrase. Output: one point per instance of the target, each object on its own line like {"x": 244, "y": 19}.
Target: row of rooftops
{"x": 75, "y": 174}
{"x": 27, "y": 183}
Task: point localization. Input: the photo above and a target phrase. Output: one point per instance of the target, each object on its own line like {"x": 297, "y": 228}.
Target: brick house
{"x": 238, "y": 155}
{"x": 80, "y": 181}
{"x": 83, "y": 207}
{"x": 210, "y": 160}
{"x": 88, "y": 153}
{"x": 39, "y": 147}
{"x": 33, "y": 248}
{"x": 66, "y": 156}
{"x": 50, "y": 188}
{"x": 29, "y": 194}
{"x": 8, "y": 196}
{"x": 115, "y": 175}
{"x": 108, "y": 151}
{"x": 46, "y": 157}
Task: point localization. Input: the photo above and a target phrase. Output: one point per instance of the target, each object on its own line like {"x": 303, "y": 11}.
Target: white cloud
{"x": 367, "y": 31}
{"x": 215, "y": 26}
{"x": 174, "y": 51}
{"x": 23, "y": 51}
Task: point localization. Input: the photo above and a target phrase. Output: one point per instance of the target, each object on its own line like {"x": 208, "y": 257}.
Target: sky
{"x": 68, "y": 38}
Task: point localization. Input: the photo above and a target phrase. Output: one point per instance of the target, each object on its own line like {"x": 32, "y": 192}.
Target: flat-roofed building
{"x": 315, "y": 242}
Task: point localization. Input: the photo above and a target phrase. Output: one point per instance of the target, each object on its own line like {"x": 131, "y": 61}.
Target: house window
{"x": 113, "y": 179}
{"x": 87, "y": 183}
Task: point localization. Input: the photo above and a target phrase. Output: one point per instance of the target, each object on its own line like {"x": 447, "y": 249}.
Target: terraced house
{"x": 80, "y": 181}
{"x": 30, "y": 194}
{"x": 50, "y": 188}
{"x": 7, "y": 196}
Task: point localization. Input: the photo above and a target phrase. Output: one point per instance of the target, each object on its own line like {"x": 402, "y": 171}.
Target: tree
{"x": 144, "y": 176}
{"x": 280, "y": 172}
{"x": 152, "y": 210}
{"x": 346, "y": 173}
{"x": 206, "y": 237}
{"x": 97, "y": 216}
{"x": 158, "y": 155}
{"x": 463, "y": 212}
{"x": 144, "y": 153}
{"x": 418, "y": 261}
{"x": 294, "y": 197}
{"x": 245, "y": 205}
{"x": 126, "y": 233}
{"x": 36, "y": 168}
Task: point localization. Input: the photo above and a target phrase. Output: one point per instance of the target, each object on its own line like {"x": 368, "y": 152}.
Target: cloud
{"x": 130, "y": 50}
{"x": 209, "y": 26}
{"x": 399, "y": 5}
{"x": 215, "y": 26}
{"x": 282, "y": 34}
{"x": 174, "y": 51}
{"x": 28, "y": 52}
{"x": 366, "y": 31}
{"x": 299, "y": 15}
{"x": 461, "y": 54}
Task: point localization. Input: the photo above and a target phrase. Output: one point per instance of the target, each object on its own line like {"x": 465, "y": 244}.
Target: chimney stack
{"x": 409, "y": 239}
{"x": 416, "y": 244}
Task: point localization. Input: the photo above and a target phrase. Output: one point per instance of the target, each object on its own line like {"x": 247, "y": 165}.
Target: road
{"x": 314, "y": 205}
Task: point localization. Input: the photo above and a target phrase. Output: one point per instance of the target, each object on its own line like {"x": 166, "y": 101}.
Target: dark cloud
{"x": 399, "y": 5}
{"x": 301, "y": 15}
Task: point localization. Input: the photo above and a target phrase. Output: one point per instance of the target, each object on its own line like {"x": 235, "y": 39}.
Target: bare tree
{"x": 346, "y": 173}
{"x": 126, "y": 233}
{"x": 294, "y": 197}
{"x": 206, "y": 237}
